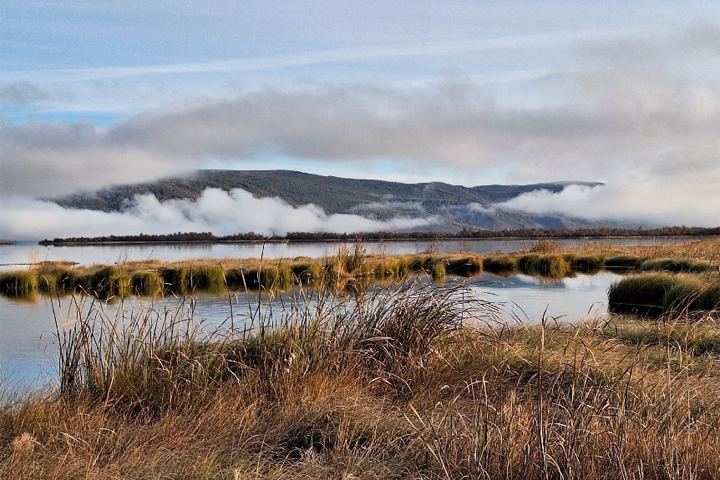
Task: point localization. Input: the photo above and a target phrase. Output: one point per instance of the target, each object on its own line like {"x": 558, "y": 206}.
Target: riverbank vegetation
{"x": 663, "y": 292}
{"x": 354, "y": 268}
{"x": 207, "y": 237}
{"x": 413, "y": 380}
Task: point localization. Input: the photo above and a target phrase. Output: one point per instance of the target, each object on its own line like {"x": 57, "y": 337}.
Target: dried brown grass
{"x": 368, "y": 388}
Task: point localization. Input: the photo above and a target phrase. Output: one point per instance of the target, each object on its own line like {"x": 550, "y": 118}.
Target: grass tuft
{"x": 663, "y": 292}
{"x": 676, "y": 265}
{"x": 20, "y": 283}
{"x": 147, "y": 283}
{"x": 552, "y": 266}
{"x": 545, "y": 245}
{"x": 465, "y": 266}
{"x": 501, "y": 265}
{"x": 623, "y": 261}
{"x": 585, "y": 263}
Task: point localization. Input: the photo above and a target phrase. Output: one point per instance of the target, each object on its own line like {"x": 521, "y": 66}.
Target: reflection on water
{"x": 527, "y": 299}
{"x": 14, "y": 256}
{"x": 28, "y": 347}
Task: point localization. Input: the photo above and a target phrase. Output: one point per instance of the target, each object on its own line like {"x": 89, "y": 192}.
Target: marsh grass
{"x": 57, "y": 278}
{"x": 175, "y": 279}
{"x": 392, "y": 384}
{"x": 206, "y": 278}
{"x": 306, "y": 274}
{"x": 676, "y": 265}
{"x": 552, "y": 266}
{"x": 147, "y": 283}
{"x": 545, "y": 245}
{"x": 623, "y": 261}
{"x": 158, "y": 359}
{"x": 503, "y": 265}
{"x": 465, "y": 266}
{"x": 350, "y": 266}
{"x": 585, "y": 263}
{"x": 21, "y": 283}
{"x": 663, "y": 292}
{"x": 438, "y": 271}
{"x": 276, "y": 277}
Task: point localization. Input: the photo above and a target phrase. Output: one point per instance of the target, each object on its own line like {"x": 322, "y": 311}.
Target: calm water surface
{"x": 17, "y": 256}
{"x": 28, "y": 347}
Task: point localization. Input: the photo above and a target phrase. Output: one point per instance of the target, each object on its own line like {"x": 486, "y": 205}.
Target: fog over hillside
{"x": 280, "y": 201}
{"x": 452, "y": 98}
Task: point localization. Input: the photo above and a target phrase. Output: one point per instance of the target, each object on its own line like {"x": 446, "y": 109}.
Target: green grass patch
{"x": 552, "y": 266}
{"x": 105, "y": 282}
{"x": 273, "y": 277}
{"x": 175, "y": 279}
{"x": 623, "y": 261}
{"x": 676, "y": 265}
{"x": 438, "y": 271}
{"x": 20, "y": 283}
{"x": 206, "y": 278}
{"x": 238, "y": 278}
{"x": 147, "y": 283}
{"x": 465, "y": 266}
{"x": 504, "y": 265}
{"x": 585, "y": 263}
{"x": 662, "y": 292}
{"x": 306, "y": 273}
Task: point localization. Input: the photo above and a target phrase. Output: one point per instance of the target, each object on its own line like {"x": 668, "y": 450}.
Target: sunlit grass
{"x": 413, "y": 380}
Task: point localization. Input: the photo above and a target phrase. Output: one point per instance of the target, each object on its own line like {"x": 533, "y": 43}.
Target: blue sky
{"x": 95, "y": 93}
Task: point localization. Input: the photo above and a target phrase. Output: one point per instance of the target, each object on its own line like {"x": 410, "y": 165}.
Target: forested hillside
{"x": 454, "y": 205}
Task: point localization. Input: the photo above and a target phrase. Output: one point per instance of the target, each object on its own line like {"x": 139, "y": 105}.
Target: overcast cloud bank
{"x": 640, "y": 202}
{"x": 216, "y": 211}
{"x": 628, "y": 115}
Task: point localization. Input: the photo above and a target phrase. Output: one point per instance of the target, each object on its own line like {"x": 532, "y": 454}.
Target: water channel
{"x": 28, "y": 345}
{"x": 20, "y": 255}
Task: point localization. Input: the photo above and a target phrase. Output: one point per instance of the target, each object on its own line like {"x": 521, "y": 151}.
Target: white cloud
{"x": 476, "y": 207}
{"x": 214, "y": 211}
{"x": 652, "y": 203}
{"x": 335, "y": 56}
{"x": 389, "y": 204}
{"x": 625, "y": 115}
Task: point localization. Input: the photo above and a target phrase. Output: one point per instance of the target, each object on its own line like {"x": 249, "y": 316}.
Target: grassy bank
{"x": 398, "y": 384}
{"x": 348, "y": 266}
{"x": 664, "y": 293}
{"x": 356, "y": 267}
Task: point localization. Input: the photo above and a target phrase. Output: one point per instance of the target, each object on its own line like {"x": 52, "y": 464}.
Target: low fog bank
{"x": 650, "y": 204}
{"x": 216, "y": 211}
{"x": 238, "y": 211}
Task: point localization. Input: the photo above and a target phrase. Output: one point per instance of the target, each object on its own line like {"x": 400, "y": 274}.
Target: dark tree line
{"x": 207, "y": 237}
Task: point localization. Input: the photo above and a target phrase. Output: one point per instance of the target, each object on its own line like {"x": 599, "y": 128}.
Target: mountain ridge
{"x": 453, "y": 206}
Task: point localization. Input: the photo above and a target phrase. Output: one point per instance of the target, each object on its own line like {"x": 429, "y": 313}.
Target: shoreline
{"x": 545, "y": 259}
{"x": 359, "y": 240}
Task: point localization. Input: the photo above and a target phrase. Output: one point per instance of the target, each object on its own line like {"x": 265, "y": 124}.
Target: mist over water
{"x": 216, "y": 211}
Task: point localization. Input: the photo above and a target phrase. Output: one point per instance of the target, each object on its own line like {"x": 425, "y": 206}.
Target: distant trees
{"x": 208, "y": 237}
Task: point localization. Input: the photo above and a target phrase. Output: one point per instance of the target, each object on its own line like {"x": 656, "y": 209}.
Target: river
{"x": 17, "y": 256}
{"x": 28, "y": 343}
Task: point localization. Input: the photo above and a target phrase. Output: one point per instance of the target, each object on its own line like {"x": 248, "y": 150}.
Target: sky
{"x": 626, "y": 93}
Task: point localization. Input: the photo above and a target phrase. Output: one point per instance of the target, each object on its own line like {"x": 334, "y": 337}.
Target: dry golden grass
{"x": 367, "y": 388}
{"x": 350, "y": 265}
{"x": 708, "y": 250}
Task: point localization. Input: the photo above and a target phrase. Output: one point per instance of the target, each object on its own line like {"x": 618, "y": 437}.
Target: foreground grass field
{"x": 413, "y": 381}
{"x": 408, "y": 380}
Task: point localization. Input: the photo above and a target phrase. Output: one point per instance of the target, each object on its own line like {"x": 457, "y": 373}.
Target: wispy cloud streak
{"x": 336, "y": 56}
